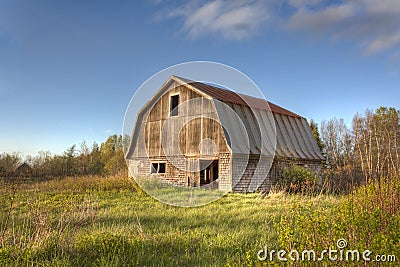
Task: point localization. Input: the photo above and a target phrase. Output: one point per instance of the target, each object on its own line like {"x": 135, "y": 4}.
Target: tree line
{"x": 367, "y": 151}
{"x": 106, "y": 159}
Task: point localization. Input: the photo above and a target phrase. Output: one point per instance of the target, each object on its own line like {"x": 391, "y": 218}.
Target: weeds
{"x": 92, "y": 221}
{"x": 368, "y": 218}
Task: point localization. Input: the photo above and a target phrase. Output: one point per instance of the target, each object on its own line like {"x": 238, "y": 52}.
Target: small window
{"x": 154, "y": 167}
{"x": 158, "y": 167}
{"x": 161, "y": 167}
{"x": 173, "y": 106}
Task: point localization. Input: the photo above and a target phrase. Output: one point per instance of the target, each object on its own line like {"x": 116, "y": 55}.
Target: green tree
{"x": 70, "y": 167}
{"x": 8, "y": 163}
{"x": 315, "y": 132}
{"x": 95, "y": 165}
{"x": 83, "y": 159}
{"x": 115, "y": 165}
{"x": 112, "y": 155}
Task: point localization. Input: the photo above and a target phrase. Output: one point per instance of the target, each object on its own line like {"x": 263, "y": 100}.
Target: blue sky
{"x": 68, "y": 69}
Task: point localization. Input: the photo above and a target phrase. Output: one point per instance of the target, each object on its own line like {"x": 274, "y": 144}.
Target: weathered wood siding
{"x": 199, "y": 135}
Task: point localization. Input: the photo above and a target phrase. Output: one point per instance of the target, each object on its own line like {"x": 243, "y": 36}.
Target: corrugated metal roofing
{"x": 250, "y": 131}
{"x": 293, "y": 134}
{"x": 264, "y": 132}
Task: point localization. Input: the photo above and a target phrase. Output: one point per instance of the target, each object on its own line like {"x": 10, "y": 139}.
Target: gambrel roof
{"x": 263, "y": 122}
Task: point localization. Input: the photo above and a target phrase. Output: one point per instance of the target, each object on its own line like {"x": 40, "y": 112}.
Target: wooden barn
{"x": 196, "y": 134}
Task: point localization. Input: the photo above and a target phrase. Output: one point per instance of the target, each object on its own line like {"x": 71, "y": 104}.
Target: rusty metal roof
{"x": 293, "y": 134}
{"x": 268, "y": 128}
{"x": 228, "y": 96}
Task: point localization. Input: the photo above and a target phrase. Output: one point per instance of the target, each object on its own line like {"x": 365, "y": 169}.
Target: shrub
{"x": 369, "y": 218}
{"x": 297, "y": 179}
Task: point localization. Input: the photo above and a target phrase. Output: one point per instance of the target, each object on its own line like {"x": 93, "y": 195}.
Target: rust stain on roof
{"x": 228, "y": 96}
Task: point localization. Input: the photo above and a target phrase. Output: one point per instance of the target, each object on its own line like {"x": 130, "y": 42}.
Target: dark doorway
{"x": 210, "y": 173}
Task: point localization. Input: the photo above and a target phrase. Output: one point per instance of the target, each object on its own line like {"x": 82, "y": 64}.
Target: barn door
{"x": 210, "y": 173}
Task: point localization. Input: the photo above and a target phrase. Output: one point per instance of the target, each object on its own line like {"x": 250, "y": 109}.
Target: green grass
{"x": 94, "y": 221}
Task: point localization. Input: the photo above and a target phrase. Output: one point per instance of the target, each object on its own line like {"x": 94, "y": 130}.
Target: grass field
{"x": 94, "y": 221}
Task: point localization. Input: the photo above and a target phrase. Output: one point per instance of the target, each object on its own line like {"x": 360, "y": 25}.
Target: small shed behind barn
{"x": 24, "y": 170}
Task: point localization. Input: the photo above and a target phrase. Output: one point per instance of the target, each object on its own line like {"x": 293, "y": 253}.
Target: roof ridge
{"x": 233, "y": 97}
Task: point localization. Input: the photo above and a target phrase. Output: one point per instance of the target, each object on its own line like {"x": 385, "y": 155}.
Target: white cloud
{"x": 373, "y": 24}
{"x": 383, "y": 6}
{"x": 302, "y": 3}
{"x": 382, "y": 43}
{"x": 233, "y": 20}
{"x": 321, "y": 20}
